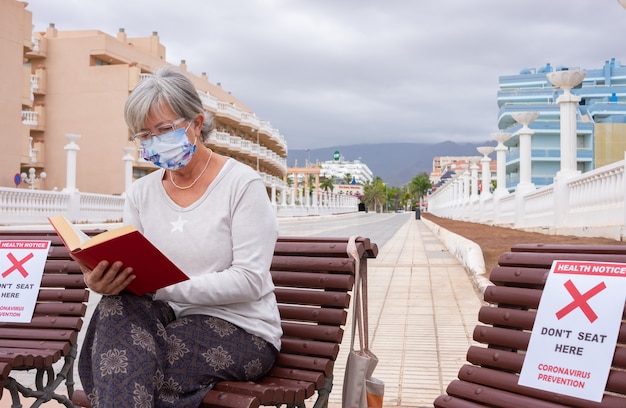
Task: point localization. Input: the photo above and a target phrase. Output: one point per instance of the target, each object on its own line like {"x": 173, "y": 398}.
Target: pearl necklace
{"x": 206, "y": 166}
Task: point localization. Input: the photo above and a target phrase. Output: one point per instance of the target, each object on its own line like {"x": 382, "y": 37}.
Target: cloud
{"x": 330, "y": 72}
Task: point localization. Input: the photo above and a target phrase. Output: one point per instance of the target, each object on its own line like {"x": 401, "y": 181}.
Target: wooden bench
{"x": 313, "y": 278}
{"x": 489, "y": 379}
{"x": 52, "y": 334}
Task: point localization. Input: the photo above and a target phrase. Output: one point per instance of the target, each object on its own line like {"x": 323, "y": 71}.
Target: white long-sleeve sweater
{"x": 224, "y": 242}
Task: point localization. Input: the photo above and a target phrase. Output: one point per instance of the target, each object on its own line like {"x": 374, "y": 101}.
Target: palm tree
{"x": 374, "y": 194}
{"x": 419, "y": 186}
{"x": 327, "y": 184}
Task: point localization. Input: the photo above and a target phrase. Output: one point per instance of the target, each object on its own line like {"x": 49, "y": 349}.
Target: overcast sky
{"x": 333, "y": 72}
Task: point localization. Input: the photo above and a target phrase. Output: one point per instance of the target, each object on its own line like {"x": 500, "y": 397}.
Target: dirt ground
{"x": 495, "y": 240}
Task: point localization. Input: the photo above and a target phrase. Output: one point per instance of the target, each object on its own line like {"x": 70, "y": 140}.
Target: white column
{"x": 128, "y": 167}
{"x": 474, "y": 187}
{"x": 70, "y": 176}
{"x": 294, "y": 191}
{"x": 568, "y": 102}
{"x": 501, "y": 150}
{"x": 466, "y": 185}
{"x": 525, "y": 151}
{"x": 486, "y": 170}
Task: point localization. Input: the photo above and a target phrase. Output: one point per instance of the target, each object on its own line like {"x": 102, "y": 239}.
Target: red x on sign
{"x": 17, "y": 265}
{"x": 580, "y": 300}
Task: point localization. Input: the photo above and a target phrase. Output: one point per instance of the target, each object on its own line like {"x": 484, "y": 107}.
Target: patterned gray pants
{"x": 136, "y": 354}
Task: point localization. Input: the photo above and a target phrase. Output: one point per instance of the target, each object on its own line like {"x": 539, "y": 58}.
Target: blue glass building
{"x": 600, "y": 119}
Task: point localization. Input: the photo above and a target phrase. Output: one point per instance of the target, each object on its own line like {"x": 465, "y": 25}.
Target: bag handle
{"x": 359, "y": 316}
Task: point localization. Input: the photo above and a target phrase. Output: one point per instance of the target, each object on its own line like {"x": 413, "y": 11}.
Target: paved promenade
{"x": 422, "y": 307}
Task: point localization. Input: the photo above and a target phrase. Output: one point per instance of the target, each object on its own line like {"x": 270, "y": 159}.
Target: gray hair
{"x": 166, "y": 88}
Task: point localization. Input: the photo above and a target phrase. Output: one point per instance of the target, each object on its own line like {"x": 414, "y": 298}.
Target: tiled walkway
{"x": 423, "y": 309}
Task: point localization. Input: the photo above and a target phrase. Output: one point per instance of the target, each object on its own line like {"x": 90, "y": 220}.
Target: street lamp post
{"x": 31, "y": 178}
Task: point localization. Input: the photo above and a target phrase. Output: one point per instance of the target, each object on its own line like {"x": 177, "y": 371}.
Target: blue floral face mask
{"x": 171, "y": 151}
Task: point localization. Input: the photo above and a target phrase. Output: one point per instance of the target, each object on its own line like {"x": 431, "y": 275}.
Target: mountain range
{"x": 395, "y": 163}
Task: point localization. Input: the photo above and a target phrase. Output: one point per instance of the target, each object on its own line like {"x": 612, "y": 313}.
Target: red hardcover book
{"x": 152, "y": 269}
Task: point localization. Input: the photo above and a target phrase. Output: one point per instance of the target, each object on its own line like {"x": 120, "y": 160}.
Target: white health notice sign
{"x": 21, "y": 268}
{"x": 575, "y": 332}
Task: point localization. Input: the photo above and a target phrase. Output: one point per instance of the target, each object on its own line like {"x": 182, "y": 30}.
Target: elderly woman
{"x": 212, "y": 217}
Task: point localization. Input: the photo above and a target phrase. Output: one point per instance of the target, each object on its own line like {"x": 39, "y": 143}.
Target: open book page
{"x": 75, "y": 238}
{"x": 71, "y": 235}
{"x": 107, "y": 235}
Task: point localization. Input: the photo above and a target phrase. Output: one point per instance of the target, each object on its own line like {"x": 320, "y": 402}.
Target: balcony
{"x": 208, "y": 101}
{"x": 228, "y": 112}
{"x": 221, "y": 138}
{"x": 39, "y": 48}
{"x": 30, "y": 118}
{"x": 250, "y": 120}
{"x": 235, "y": 143}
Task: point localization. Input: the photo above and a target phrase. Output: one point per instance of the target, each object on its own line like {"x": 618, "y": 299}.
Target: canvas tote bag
{"x": 360, "y": 389}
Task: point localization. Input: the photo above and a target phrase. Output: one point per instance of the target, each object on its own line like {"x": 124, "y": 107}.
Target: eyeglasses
{"x": 160, "y": 130}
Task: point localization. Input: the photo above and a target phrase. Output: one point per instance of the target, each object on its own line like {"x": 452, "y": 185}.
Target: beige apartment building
{"x": 56, "y": 83}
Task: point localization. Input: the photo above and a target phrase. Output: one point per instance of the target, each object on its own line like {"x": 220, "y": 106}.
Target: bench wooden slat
{"x": 370, "y": 248}
{"x": 312, "y": 297}
{"x": 544, "y": 260}
{"x": 314, "y": 377}
{"x": 512, "y": 339}
{"x": 57, "y": 322}
{"x": 310, "y": 347}
{"x": 323, "y": 249}
{"x": 40, "y": 357}
{"x": 63, "y": 309}
{"x": 62, "y": 265}
{"x": 504, "y": 317}
{"x": 496, "y": 358}
{"x": 63, "y": 295}
{"x": 507, "y": 381}
{"x": 448, "y": 401}
{"x": 518, "y": 276}
{"x": 10, "y": 359}
{"x": 319, "y": 364}
{"x": 63, "y": 346}
{"x": 618, "y": 248}
{"x": 312, "y": 264}
{"x": 513, "y": 296}
{"x": 311, "y": 314}
{"x": 37, "y": 333}
{"x": 495, "y": 398}
{"x": 298, "y": 390}
{"x": 219, "y": 399}
{"x": 332, "y": 334}
{"x": 50, "y": 280}
{"x": 313, "y": 280}
{"x": 259, "y": 391}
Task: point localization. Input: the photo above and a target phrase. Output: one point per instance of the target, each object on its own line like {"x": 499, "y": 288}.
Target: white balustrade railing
{"x": 30, "y": 118}
{"x": 538, "y": 207}
{"x": 26, "y": 206}
{"x": 19, "y": 206}
{"x": 589, "y": 204}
